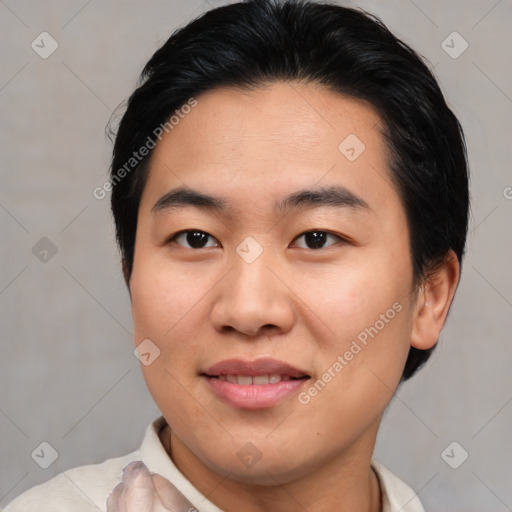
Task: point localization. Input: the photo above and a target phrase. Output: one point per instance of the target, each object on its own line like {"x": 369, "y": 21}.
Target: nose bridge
{"x": 252, "y": 296}
{"x": 251, "y": 273}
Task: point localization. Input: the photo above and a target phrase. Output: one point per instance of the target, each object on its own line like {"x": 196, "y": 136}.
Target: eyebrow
{"x": 336, "y": 196}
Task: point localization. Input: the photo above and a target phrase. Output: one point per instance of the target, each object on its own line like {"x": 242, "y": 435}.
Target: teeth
{"x": 258, "y": 380}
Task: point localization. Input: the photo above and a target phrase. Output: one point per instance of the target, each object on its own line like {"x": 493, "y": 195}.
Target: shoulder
{"x": 81, "y": 489}
{"x": 396, "y": 494}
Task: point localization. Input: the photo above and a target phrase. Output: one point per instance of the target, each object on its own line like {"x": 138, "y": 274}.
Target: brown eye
{"x": 194, "y": 238}
{"x": 317, "y": 239}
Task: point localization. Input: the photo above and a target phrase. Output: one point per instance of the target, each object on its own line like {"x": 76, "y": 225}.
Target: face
{"x": 281, "y": 303}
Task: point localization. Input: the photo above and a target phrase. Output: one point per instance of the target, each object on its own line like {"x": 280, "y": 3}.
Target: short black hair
{"x": 256, "y": 42}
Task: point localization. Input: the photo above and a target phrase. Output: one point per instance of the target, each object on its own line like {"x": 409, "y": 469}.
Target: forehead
{"x": 271, "y": 141}
{"x": 295, "y": 117}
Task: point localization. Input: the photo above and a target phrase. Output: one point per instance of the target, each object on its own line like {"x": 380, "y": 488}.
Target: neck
{"x": 345, "y": 483}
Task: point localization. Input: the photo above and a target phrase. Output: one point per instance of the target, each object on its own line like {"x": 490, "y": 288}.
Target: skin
{"x": 142, "y": 491}
{"x": 294, "y": 303}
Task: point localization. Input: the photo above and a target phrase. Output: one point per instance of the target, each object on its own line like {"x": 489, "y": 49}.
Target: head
{"x": 295, "y": 187}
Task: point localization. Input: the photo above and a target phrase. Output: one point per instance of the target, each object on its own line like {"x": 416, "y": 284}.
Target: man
{"x": 290, "y": 192}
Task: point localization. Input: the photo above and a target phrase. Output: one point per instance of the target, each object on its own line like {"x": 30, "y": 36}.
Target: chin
{"x": 266, "y": 467}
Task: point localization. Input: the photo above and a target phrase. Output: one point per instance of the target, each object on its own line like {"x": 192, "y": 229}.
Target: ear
{"x": 433, "y": 303}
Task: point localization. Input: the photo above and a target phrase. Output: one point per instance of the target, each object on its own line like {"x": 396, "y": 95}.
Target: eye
{"x": 195, "y": 238}
{"x": 316, "y": 239}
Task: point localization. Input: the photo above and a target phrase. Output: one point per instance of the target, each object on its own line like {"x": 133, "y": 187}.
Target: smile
{"x": 257, "y": 380}
{"x": 257, "y": 384}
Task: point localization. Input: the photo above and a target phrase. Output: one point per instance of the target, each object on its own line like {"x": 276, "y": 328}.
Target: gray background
{"x": 68, "y": 375}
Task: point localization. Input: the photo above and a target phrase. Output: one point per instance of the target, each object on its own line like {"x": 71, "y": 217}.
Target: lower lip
{"x": 253, "y": 396}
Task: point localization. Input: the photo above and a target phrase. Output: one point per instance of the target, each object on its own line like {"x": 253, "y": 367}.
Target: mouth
{"x": 257, "y": 384}
{"x": 256, "y": 380}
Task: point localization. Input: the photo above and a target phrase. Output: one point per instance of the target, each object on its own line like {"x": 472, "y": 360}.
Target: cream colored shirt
{"x": 86, "y": 488}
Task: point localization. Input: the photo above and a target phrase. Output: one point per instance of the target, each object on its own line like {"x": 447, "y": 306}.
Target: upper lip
{"x": 263, "y": 366}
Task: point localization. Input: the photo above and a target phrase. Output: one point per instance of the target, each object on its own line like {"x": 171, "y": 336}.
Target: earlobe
{"x": 433, "y": 303}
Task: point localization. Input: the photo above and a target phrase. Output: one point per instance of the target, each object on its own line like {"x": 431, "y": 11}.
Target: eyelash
{"x": 185, "y": 231}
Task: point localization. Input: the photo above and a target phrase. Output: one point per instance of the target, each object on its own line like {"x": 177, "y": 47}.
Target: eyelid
{"x": 184, "y": 231}
{"x": 341, "y": 238}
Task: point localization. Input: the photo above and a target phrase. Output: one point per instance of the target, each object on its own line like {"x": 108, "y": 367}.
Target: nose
{"x": 253, "y": 299}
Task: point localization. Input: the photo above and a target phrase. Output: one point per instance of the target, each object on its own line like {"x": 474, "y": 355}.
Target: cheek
{"x": 168, "y": 307}
{"x": 164, "y": 310}
{"x": 164, "y": 300}
{"x": 359, "y": 368}
{"x": 350, "y": 298}
{"x": 366, "y": 309}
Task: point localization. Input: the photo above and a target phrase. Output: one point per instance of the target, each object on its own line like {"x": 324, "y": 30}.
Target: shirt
{"x": 86, "y": 488}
